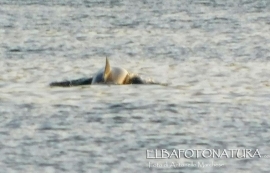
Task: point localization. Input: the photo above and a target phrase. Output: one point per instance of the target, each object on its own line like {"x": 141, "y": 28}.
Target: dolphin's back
{"x": 117, "y": 76}
{"x": 98, "y": 77}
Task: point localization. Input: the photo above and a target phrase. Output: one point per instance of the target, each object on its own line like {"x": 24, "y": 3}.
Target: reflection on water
{"x": 212, "y": 54}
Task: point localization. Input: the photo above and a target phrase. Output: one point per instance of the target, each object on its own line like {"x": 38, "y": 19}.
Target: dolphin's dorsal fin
{"x": 107, "y": 70}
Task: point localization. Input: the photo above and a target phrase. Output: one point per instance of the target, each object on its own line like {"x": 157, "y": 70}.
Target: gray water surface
{"x": 214, "y": 56}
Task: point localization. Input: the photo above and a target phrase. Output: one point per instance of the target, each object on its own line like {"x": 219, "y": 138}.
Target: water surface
{"x": 214, "y": 56}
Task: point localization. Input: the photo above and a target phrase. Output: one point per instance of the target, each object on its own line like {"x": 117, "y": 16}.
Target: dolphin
{"x": 106, "y": 75}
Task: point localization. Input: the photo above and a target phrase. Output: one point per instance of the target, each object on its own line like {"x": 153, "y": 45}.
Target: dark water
{"x": 214, "y": 56}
